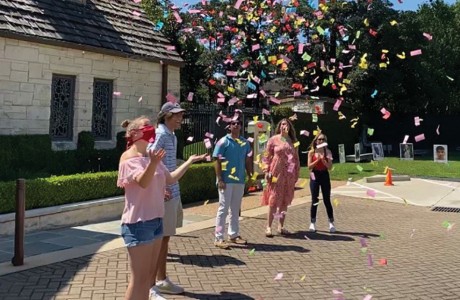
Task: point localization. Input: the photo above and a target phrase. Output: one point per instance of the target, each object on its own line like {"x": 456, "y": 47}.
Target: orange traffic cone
{"x": 389, "y": 178}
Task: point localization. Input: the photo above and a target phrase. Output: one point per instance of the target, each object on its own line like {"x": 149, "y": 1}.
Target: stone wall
{"x": 26, "y": 71}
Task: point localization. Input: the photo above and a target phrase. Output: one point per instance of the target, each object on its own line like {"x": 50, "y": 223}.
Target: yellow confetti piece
{"x": 296, "y": 144}
{"x": 255, "y": 118}
{"x": 401, "y": 56}
{"x": 254, "y": 176}
{"x": 233, "y": 171}
{"x": 252, "y": 251}
{"x": 224, "y": 166}
{"x": 303, "y": 277}
{"x": 206, "y": 202}
{"x": 336, "y": 202}
{"x": 393, "y": 23}
{"x": 303, "y": 183}
{"x": 274, "y": 179}
{"x": 385, "y": 170}
{"x": 233, "y": 177}
{"x": 366, "y": 22}
{"x": 315, "y": 132}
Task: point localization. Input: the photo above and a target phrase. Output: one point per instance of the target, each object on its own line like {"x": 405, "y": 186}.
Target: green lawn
{"x": 421, "y": 168}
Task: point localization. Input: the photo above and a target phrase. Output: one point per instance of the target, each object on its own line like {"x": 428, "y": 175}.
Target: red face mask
{"x": 148, "y": 135}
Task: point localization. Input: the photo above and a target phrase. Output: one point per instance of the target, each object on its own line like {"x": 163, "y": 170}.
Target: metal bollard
{"x": 18, "y": 259}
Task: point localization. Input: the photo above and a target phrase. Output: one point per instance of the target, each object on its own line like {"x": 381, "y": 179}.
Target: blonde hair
{"x": 313, "y": 143}
{"x": 134, "y": 124}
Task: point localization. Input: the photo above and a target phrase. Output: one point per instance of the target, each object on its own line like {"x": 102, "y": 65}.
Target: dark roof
{"x": 107, "y": 26}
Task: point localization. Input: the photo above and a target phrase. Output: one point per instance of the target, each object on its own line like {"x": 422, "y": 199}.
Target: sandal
{"x": 268, "y": 232}
{"x": 284, "y": 231}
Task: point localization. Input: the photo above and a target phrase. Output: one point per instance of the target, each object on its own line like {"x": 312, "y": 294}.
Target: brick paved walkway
{"x": 422, "y": 261}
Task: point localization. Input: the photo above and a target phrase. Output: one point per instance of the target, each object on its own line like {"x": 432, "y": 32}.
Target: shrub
{"x": 198, "y": 184}
{"x": 58, "y": 190}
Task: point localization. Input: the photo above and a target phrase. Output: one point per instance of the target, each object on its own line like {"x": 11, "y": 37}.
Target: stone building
{"x": 68, "y": 66}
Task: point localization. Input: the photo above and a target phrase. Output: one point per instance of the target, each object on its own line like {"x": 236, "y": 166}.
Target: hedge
{"x": 196, "y": 185}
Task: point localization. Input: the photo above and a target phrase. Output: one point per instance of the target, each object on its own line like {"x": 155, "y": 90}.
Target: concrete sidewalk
{"x": 50, "y": 246}
{"x": 382, "y": 250}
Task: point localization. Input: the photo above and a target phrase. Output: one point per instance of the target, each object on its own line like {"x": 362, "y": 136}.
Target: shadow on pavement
{"x": 360, "y": 234}
{"x": 206, "y": 261}
{"x": 271, "y": 247}
{"x": 222, "y": 295}
{"x": 307, "y": 235}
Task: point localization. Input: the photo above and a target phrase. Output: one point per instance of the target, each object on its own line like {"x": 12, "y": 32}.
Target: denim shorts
{"x": 142, "y": 232}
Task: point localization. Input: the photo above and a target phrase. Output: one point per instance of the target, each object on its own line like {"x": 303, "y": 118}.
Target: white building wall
{"x": 26, "y": 71}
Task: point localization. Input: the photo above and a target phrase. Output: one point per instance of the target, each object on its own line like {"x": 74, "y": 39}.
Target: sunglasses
{"x": 236, "y": 123}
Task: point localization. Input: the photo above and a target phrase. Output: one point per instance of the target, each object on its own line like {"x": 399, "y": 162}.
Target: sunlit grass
{"x": 418, "y": 168}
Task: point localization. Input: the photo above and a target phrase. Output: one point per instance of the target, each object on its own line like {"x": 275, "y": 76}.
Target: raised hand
{"x": 157, "y": 156}
{"x": 194, "y": 158}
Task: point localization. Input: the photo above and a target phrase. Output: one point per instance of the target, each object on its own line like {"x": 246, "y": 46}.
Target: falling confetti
{"x": 251, "y": 252}
{"x": 278, "y": 276}
{"x": 206, "y": 202}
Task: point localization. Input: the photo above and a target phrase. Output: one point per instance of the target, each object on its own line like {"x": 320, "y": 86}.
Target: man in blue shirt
{"x": 233, "y": 157}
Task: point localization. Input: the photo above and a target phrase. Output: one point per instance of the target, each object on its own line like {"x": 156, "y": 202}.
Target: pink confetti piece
{"x": 322, "y": 145}
{"x": 265, "y": 111}
{"x": 367, "y": 297}
{"x": 370, "y": 261}
{"x": 209, "y": 135}
{"x": 300, "y": 48}
{"x": 190, "y": 96}
{"x": 140, "y": 99}
{"x": 417, "y": 121}
{"x": 416, "y": 52}
{"x": 250, "y": 139}
{"x": 412, "y": 233}
{"x": 177, "y": 16}
{"x": 255, "y": 47}
{"x": 306, "y": 237}
{"x": 218, "y": 229}
{"x": 249, "y": 154}
{"x": 274, "y": 100}
{"x": 337, "y": 104}
{"x": 231, "y": 73}
{"x": 419, "y": 137}
{"x": 337, "y": 292}
{"x": 428, "y": 36}
{"x": 363, "y": 242}
{"x": 117, "y": 94}
{"x": 171, "y": 98}
{"x": 136, "y": 14}
{"x": 312, "y": 176}
{"x": 437, "y": 130}
{"x": 170, "y": 48}
{"x": 278, "y": 276}
{"x": 207, "y": 143}
{"x": 406, "y": 137}
{"x": 190, "y": 138}
{"x": 137, "y": 1}
{"x": 238, "y": 4}
{"x": 371, "y": 193}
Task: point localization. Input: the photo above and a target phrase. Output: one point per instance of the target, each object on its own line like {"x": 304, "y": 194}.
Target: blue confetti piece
{"x": 374, "y": 94}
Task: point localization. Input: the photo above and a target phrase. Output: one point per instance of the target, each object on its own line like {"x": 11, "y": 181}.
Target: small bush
{"x": 198, "y": 184}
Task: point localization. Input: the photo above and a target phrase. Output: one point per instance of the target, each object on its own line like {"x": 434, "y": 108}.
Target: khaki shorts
{"x": 173, "y": 216}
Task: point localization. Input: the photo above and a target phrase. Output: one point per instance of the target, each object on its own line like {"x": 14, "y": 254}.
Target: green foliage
{"x": 195, "y": 148}
{"x": 416, "y": 168}
{"x": 58, "y": 190}
{"x": 198, "y": 184}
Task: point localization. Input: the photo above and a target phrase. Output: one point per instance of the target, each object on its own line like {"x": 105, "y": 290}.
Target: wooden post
{"x": 18, "y": 259}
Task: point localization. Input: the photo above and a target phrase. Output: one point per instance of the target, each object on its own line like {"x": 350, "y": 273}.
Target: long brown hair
{"x": 291, "y": 132}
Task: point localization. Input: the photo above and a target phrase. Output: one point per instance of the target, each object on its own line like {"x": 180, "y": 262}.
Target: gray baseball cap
{"x": 170, "y": 107}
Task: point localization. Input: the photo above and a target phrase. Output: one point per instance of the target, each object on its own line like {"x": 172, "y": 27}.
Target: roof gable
{"x": 118, "y": 27}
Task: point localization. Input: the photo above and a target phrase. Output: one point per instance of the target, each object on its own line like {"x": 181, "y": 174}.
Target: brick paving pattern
{"x": 422, "y": 260}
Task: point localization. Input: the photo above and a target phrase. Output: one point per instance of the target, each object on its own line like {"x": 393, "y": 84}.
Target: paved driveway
{"x": 422, "y": 260}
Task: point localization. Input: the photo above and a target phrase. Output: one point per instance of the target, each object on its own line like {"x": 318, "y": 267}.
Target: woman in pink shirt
{"x": 144, "y": 178}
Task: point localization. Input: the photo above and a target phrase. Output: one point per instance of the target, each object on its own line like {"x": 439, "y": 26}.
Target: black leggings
{"x": 321, "y": 180}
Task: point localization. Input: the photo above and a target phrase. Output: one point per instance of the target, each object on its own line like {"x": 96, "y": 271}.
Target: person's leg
{"x": 235, "y": 205}
{"x": 314, "y": 190}
{"x": 222, "y": 211}
{"x": 140, "y": 258}
{"x": 282, "y": 219}
{"x": 326, "y": 192}
{"x": 162, "y": 258}
{"x": 270, "y": 217}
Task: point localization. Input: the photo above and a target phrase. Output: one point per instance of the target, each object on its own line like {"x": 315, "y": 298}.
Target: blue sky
{"x": 413, "y": 4}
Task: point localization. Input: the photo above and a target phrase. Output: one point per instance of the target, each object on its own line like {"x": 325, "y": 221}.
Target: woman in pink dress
{"x": 144, "y": 178}
{"x": 281, "y": 173}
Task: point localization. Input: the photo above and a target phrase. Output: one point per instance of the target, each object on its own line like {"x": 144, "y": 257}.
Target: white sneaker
{"x": 312, "y": 227}
{"x": 331, "y": 227}
{"x": 155, "y": 294}
{"x": 167, "y": 287}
